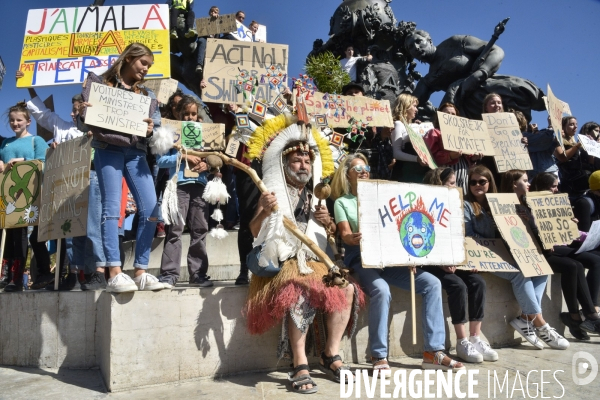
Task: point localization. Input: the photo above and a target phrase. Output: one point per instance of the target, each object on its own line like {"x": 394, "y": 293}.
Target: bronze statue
{"x": 465, "y": 68}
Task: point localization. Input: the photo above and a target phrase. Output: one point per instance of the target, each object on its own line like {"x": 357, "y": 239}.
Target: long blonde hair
{"x": 403, "y": 103}
{"x": 133, "y": 52}
{"x": 340, "y": 185}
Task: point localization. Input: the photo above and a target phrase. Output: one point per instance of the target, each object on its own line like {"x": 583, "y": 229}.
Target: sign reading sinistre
{"x": 62, "y": 45}
{"x": 410, "y": 224}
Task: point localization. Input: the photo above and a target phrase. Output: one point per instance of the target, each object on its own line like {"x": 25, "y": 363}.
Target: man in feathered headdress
{"x": 297, "y": 294}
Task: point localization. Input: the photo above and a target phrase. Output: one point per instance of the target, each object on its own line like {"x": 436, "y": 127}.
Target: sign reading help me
{"x": 410, "y": 224}
{"x": 488, "y": 255}
{"x": 225, "y": 59}
{"x": 506, "y": 139}
{"x": 65, "y": 191}
{"x": 467, "y": 135}
{"x": 62, "y": 45}
{"x": 118, "y": 110}
{"x": 517, "y": 235}
{"x": 553, "y": 217}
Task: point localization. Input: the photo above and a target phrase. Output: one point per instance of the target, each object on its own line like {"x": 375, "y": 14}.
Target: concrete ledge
{"x": 146, "y": 338}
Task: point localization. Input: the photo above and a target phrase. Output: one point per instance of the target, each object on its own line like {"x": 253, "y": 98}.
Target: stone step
{"x": 223, "y": 257}
{"x": 148, "y": 338}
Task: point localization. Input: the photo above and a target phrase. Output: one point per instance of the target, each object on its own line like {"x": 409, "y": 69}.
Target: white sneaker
{"x": 484, "y": 349}
{"x": 526, "y": 329}
{"x": 121, "y": 284}
{"x": 148, "y": 282}
{"x": 552, "y": 338}
{"x": 467, "y": 352}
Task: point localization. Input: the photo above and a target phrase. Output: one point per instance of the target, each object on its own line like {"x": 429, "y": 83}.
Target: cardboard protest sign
{"x": 488, "y": 255}
{"x": 233, "y": 146}
{"x": 118, "y": 109}
{"x": 519, "y": 237}
{"x": 197, "y": 135}
{"x": 244, "y": 34}
{"x": 20, "y": 194}
{"x": 591, "y": 146}
{"x": 592, "y": 241}
{"x": 555, "y": 110}
{"x": 553, "y": 217}
{"x": 41, "y": 131}
{"x": 62, "y": 45}
{"x": 162, "y": 88}
{"x": 410, "y": 224}
{"x": 422, "y": 128}
{"x": 213, "y": 26}
{"x": 227, "y": 60}
{"x": 371, "y": 111}
{"x": 420, "y": 147}
{"x": 506, "y": 139}
{"x": 2, "y": 72}
{"x": 65, "y": 191}
{"x": 467, "y": 135}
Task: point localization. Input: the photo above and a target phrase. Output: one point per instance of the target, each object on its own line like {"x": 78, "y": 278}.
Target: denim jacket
{"x": 482, "y": 227}
{"x": 169, "y": 160}
{"x": 104, "y": 137}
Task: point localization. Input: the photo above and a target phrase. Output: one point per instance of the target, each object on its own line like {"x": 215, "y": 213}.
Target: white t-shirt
{"x": 349, "y": 65}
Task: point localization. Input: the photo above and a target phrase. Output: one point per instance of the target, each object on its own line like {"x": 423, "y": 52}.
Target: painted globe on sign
{"x": 519, "y": 236}
{"x": 417, "y": 234}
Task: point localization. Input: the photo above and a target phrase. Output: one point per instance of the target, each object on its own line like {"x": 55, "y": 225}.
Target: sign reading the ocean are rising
{"x": 553, "y": 217}
{"x": 410, "y": 224}
{"x": 237, "y": 70}
{"x": 62, "y": 45}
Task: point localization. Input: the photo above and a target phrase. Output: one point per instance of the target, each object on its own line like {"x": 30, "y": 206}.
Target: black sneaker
{"x": 574, "y": 326}
{"x": 66, "y": 283}
{"x": 242, "y": 279}
{"x": 42, "y": 281}
{"x": 197, "y": 281}
{"x": 12, "y": 287}
{"x": 97, "y": 281}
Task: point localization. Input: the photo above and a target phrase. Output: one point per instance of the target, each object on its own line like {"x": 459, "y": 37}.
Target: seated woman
{"x": 466, "y": 290}
{"x": 528, "y": 291}
{"x": 573, "y": 161}
{"x": 376, "y": 282}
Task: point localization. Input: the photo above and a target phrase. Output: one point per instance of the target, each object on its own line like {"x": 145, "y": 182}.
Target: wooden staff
{"x": 2, "y": 251}
{"x": 57, "y": 268}
{"x": 412, "y": 304}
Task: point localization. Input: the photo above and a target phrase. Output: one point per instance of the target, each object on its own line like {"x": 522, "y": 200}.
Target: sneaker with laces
{"x": 552, "y": 338}
{"x": 526, "y": 329}
{"x": 484, "y": 349}
{"x": 575, "y": 326}
{"x": 121, "y": 284}
{"x": 467, "y": 352}
{"x": 590, "y": 326}
{"x": 147, "y": 282}
{"x": 168, "y": 281}
{"x": 95, "y": 281}
{"x": 197, "y": 281}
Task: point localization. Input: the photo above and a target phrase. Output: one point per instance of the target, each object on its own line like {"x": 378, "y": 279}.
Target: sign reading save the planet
{"x": 404, "y": 224}
{"x": 519, "y": 237}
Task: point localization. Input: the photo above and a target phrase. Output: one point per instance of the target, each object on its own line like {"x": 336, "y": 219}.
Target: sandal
{"x": 380, "y": 364}
{"x": 302, "y": 380}
{"x": 441, "y": 361}
{"x": 326, "y": 366}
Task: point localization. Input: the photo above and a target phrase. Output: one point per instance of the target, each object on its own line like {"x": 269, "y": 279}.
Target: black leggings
{"x": 462, "y": 287}
{"x": 570, "y": 266}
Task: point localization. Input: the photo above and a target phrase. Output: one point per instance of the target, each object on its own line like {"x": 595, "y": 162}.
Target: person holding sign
{"x": 119, "y": 155}
{"x": 573, "y": 165}
{"x": 376, "y": 282}
{"x": 528, "y": 291}
{"x": 413, "y": 168}
{"x": 22, "y": 147}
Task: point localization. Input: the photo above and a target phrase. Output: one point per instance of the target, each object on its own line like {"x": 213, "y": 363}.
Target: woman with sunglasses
{"x": 528, "y": 291}
{"x": 376, "y": 282}
{"x": 466, "y": 291}
{"x": 564, "y": 261}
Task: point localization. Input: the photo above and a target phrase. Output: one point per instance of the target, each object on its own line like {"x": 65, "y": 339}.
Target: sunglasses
{"x": 361, "y": 168}
{"x": 481, "y": 182}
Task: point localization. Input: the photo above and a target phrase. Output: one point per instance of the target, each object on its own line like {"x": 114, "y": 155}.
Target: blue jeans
{"x": 86, "y": 251}
{"x": 201, "y": 50}
{"x": 528, "y": 291}
{"x": 376, "y": 284}
{"x": 112, "y": 164}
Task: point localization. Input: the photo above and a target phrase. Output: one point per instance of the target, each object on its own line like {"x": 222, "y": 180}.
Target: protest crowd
{"x": 282, "y": 166}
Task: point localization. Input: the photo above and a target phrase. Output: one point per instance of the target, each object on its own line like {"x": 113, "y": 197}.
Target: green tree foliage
{"x": 327, "y": 73}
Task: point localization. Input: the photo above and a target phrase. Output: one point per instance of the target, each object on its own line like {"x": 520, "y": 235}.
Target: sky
{"x": 552, "y": 42}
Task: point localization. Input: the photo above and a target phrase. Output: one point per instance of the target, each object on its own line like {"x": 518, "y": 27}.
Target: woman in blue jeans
{"x": 119, "y": 155}
{"x": 528, "y": 291}
{"x": 376, "y": 281}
